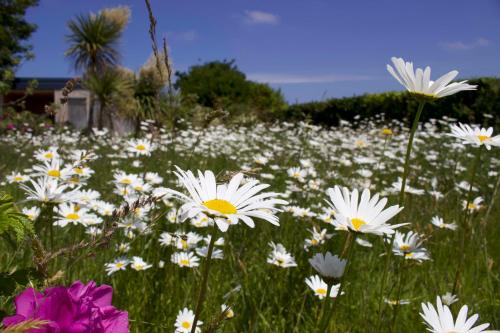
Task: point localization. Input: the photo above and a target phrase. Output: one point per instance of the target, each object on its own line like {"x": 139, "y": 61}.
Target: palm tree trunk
{"x": 101, "y": 115}
{"x": 90, "y": 120}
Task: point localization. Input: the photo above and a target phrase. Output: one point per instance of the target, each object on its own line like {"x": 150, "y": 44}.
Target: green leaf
{"x": 12, "y": 220}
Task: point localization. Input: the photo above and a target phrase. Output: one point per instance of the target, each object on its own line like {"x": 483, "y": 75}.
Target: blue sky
{"x": 310, "y": 49}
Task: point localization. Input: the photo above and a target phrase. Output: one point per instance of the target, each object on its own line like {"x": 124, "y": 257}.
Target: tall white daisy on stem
{"x": 479, "y": 137}
{"x": 418, "y": 83}
{"x": 226, "y": 204}
{"x": 358, "y": 214}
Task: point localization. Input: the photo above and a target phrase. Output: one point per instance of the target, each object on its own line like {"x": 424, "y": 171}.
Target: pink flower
{"x": 77, "y": 309}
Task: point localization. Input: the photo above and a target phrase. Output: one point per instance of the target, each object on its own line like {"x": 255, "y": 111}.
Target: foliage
{"x": 469, "y": 106}
{"x": 12, "y": 220}
{"x": 93, "y": 42}
{"x": 14, "y": 31}
{"x": 113, "y": 88}
{"x": 22, "y": 121}
{"x": 220, "y": 84}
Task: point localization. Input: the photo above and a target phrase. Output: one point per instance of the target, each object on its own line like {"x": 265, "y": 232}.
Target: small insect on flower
{"x": 320, "y": 287}
{"x": 475, "y": 136}
{"x": 328, "y": 265}
{"x": 419, "y": 82}
{"x": 184, "y": 322}
{"x": 440, "y": 319}
{"x": 227, "y": 203}
{"x": 439, "y": 222}
{"x": 280, "y": 257}
{"x": 365, "y": 214}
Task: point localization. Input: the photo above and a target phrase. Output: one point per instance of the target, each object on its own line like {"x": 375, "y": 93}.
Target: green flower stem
{"x": 406, "y": 170}
{"x": 204, "y": 283}
{"x": 350, "y": 240}
{"x": 465, "y": 224}
{"x": 402, "y": 279}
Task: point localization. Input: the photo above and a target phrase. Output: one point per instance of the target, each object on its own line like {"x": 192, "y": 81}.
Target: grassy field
{"x": 265, "y": 297}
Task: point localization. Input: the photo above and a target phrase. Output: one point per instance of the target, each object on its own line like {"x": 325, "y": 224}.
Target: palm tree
{"x": 93, "y": 41}
{"x": 112, "y": 88}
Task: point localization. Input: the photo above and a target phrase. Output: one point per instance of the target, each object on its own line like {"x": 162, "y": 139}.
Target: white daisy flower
{"x": 185, "y": 259}
{"x": 328, "y": 265}
{"x": 365, "y": 214}
{"x": 440, "y": 319}
{"x": 449, "y": 299}
{"x": 17, "y": 177}
{"x": 32, "y": 213}
{"x": 476, "y": 136}
{"x": 320, "y": 287}
{"x": 229, "y": 203}
{"x": 439, "y": 222}
{"x": 139, "y": 264}
{"x": 409, "y": 246}
{"x": 280, "y": 257}
{"x": 184, "y": 322}
{"x": 120, "y": 264}
{"x": 419, "y": 81}
{"x": 140, "y": 147}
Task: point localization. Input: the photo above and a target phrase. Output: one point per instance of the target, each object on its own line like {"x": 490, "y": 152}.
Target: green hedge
{"x": 467, "y": 106}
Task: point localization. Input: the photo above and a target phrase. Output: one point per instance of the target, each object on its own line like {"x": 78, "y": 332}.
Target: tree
{"x": 14, "y": 32}
{"x": 113, "y": 88}
{"x": 216, "y": 83}
{"x": 220, "y": 84}
{"x": 93, "y": 44}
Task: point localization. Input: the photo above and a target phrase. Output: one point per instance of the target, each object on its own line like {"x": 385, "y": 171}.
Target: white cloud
{"x": 459, "y": 45}
{"x": 300, "y": 79}
{"x": 187, "y": 36}
{"x": 258, "y": 17}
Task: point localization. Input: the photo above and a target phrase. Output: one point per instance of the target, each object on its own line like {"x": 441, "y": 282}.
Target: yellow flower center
{"x": 321, "y": 291}
{"x": 357, "y": 223}
{"x": 314, "y": 242}
{"x": 221, "y": 206}
{"x": 54, "y": 173}
{"x": 73, "y": 216}
{"x": 184, "y": 243}
{"x": 140, "y": 147}
{"x": 483, "y": 138}
{"x": 186, "y": 324}
{"x": 18, "y": 178}
{"x": 185, "y": 262}
{"x": 472, "y": 206}
{"x": 126, "y": 181}
{"x": 78, "y": 171}
{"x": 48, "y": 155}
{"x": 405, "y": 247}
{"x": 119, "y": 265}
{"x": 139, "y": 267}
{"x": 387, "y": 131}
{"x": 409, "y": 255}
